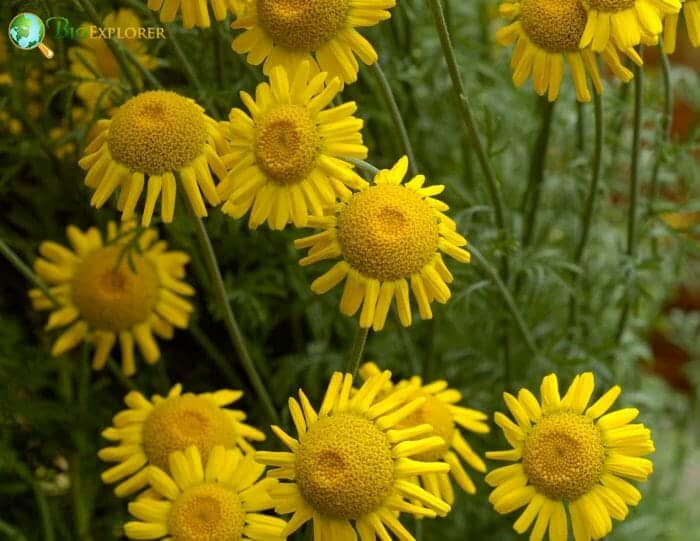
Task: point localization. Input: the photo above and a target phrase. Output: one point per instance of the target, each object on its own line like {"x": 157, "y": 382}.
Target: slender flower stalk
{"x": 358, "y": 348}
{"x": 664, "y": 134}
{"x": 27, "y": 272}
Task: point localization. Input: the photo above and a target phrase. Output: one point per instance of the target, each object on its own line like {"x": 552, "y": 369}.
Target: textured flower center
{"x": 181, "y": 421}
{"x": 286, "y": 144}
{"x": 387, "y": 232}
{"x": 208, "y": 512}
{"x": 113, "y": 290}
{"x": 156, "y": 132}
{"x": 302, "y": 24}
{"x": 554, "y": 25}
{"x": 609, "y": 5}
{"x": 563, "y": 455}
{"x": 344, "y": 467}
{"x": 435, "y": 413}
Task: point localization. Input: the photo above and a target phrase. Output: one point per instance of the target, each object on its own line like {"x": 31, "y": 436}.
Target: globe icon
{"x": 27, "y": 31}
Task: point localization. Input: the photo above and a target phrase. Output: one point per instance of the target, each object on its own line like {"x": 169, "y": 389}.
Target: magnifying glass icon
{"x": 27, "y": 32}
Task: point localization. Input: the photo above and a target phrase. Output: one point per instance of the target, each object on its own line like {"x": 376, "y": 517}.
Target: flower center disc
{"x": 554, "y": 25}
{"x": 610, "y": 6}
{"x": 156, "y": 132}
{"x": 207, "y": 512}
{"x": 181, "y": 421}
{"x": 387, "y": 232}
{"x": 115, "y": 291}
{"x": 344, "y": 467}
{"x": 563, "y": 455}
{"x": 286, "y": 144}
{"x": 436, "y": 414}
{"x": 302, "y": 24}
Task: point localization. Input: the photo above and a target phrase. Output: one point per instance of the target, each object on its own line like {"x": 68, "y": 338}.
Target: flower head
{"x": 691, "y": 13}
{"x": 350, "y": 462}
{"x": 196, "y": 12}
{"x": 128, "y": 287}
{"x": 149, "y": 430}
{"x": 566, "y": 452}
{"x": 219, "y": 500}
{"x": 441, "y": 412}
{"x": 155, "y": 136}
{"x": 388, "y": 234}
{"x": 93, "y": 61}
{"x": 285, "y": 155}
{"x": 547, "y": 33}
{"x": 287, "y": 32}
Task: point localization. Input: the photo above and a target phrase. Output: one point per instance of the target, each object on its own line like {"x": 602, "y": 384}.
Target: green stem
{"x": 215, "y": 355}
{"x": 396, "y": 117}
{"x": 234, "y": 331}
{"x": 580, "y": 127}
{"x": 121, "y": 379}
{"x": 11, "y": 533}
{"x": 358, "y": 348}
{"x": 665, "y": 128}
{"x": 27, "y": 272}
{"x": 589, "y": 207}
{"x": 81, "y": 504}
{"x": 631, "y": 251}
{"x": 465, "y": 109}
{"x": 537, "y": 165}
{"x": 44, "y": 512}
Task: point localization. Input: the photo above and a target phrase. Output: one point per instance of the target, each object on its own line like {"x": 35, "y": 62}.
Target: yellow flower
{"x": 387, "y": 235}
{"x": 625, "y": 23}
{"x": 196, "y": 12}
{"x": 128, "y": 287}
{"x": 287, "y": 32}
{"x": 285, "y": 160}
{"x": 156, "y": 136}
{"x": 217, "y": 502}
{"x": 148, "y": 431}
{"x": 691, "y": 13}
{"x": 565, "y": 452}
{"x": 548, "y": 33}
{"x": 440, "y": 412}
{"x": 93, "y": 61}
{"x": 351, "y": 463}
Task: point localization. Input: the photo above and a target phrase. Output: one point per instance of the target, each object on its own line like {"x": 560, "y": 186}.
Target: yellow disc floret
{"x": 563, "y": 455}
{"x": 287, "y": 144}
{"x": 344, "y": 466}
{"x": 185, "y": 420}
{"x": 436, "y": 414}
{"x": 609, "y": 5}
{"x": 388, "y": 232}
{"x": 302, "y": 24}
{"x": 156, "y": 132}
{"x": 554, "y": 25}
{"x": 113, "y": 290}
{"x": 207, "y": 512}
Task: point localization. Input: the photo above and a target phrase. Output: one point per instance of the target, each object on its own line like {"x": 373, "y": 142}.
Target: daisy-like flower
{"x": 569, "y": 454}
{"x": 128, "y": 287}
{"x": 285, "y": 160}
{"x": 626, "y": 23}
{"x": 93, "y": 61}
{"x": 287, "y": 32}
{"x": 155, "y": 136}
{"x": 196, "y": 12}
{"x": 388, "y": 235}
{"x": 221, "y": 500}
{"x": 445, "y": 417}
{"x": 350, "y": 463}
{"x": 548, "y": 33}
{"x": 149, "y": 430}
{"x": 691, "y": 13}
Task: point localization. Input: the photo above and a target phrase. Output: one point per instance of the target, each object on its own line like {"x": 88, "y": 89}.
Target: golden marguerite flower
{"x": 94, "y": 63}
{"x": 155, "y": 136}
{"x": 351, "y": 463}
{"x": 287, "y": 32}
{"x": 626, "y": 23}
{"x": 388, "y": 235}
{"x": 441, "y": 416}
{"x": 548, "y": 33}
{"x": 196, "y": 12}
{"x": 691, "y": 13}
{"x": 285, "y": 160}
{"x": 219, "y": 501}
{"x": 148, "y": 431}
{"x": 569, "y": 454}
{"x": 127, "y": 287}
